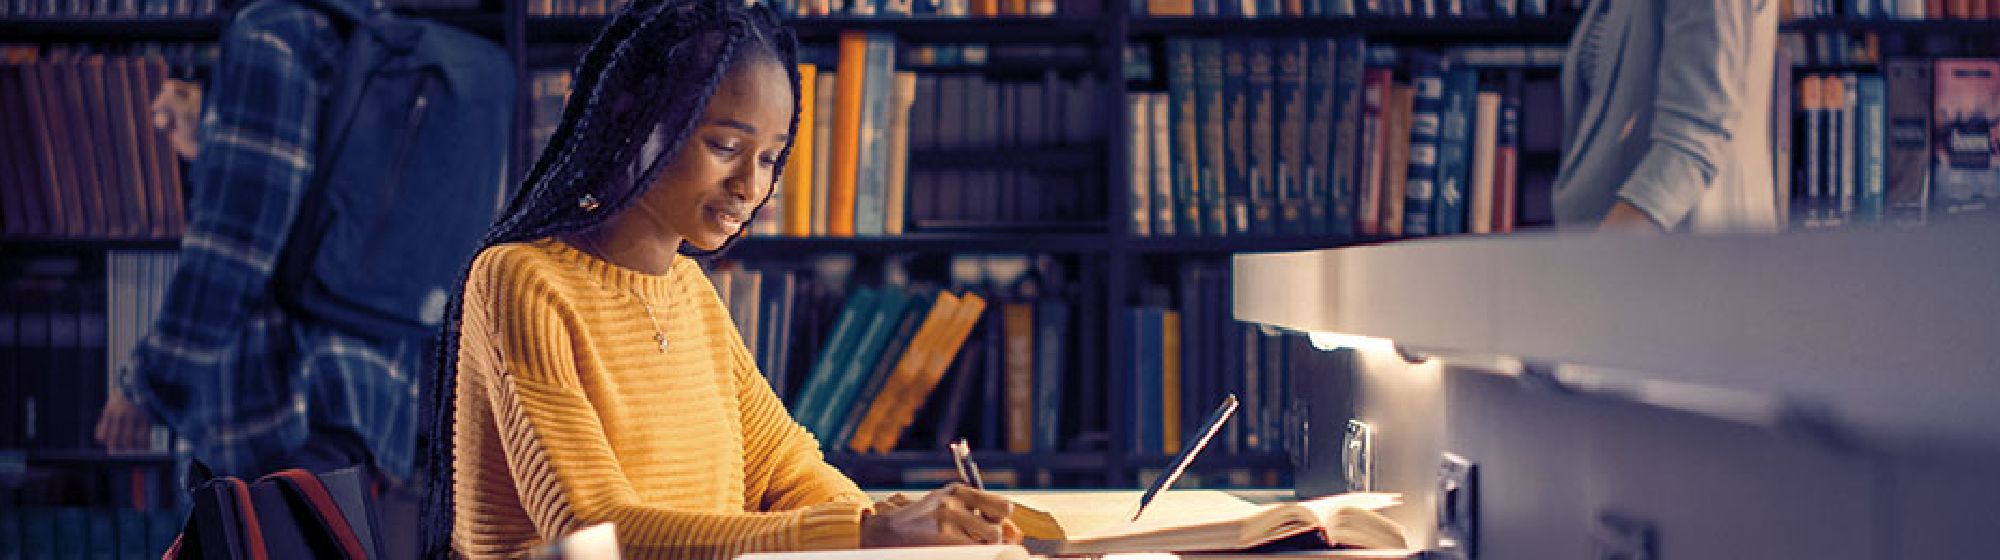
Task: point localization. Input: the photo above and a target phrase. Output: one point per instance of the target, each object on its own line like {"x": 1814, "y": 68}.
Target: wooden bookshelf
{"x": 915, "y": 29}
{"x": 1970, "y": 27}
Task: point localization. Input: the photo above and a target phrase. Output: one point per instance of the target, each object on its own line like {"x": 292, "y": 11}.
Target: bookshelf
{"x": 1118, "y": 263}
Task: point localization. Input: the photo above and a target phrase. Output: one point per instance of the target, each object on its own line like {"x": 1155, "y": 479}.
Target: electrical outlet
{"x": 1620, "y": 536}
{"x": 1457, "y": 506}
{"x": 1357, "y": 456}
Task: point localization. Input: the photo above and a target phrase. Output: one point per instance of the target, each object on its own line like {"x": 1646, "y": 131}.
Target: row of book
{"x": 1839, "y": 48}
{"x": 110, "y": 9}
{"x": 857, "y": 8}
{"x": 1889, "y": 9}
{"x": 1427, "y": 9}
{"x": 898, "y": 364}
{"x": 1188, "y": 351}
{"x": 1328, "y": 136}
{"x": 1914, "y": 142}
{"x": 859, "y": 166}
{"x": 79, "y": 155}
{"x": 94, "y": 533}
{"x": 67, "y": 325}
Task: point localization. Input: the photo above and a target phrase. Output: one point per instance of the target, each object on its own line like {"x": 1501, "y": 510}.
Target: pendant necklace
{"x": 659, "y": 335}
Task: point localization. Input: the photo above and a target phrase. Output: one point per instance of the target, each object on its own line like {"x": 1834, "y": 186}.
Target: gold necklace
{"x": 659, "y": 335}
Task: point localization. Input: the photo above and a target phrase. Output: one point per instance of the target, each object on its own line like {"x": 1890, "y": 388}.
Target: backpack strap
{"x": 323, "y": 508}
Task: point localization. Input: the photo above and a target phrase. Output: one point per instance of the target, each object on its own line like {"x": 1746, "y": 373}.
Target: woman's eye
{"x": 726, "y": 148}
{"x": 769, "y": 160}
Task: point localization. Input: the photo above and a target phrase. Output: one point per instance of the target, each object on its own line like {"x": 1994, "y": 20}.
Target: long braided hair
{"x": 640, "y": 90}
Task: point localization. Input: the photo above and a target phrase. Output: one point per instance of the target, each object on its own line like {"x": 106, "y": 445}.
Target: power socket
{"x": 1357, "y": 456}
{"x": 1459, "y": 507}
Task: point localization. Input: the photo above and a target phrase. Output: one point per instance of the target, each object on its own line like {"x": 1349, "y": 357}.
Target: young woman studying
{"x": 594, "y": 376}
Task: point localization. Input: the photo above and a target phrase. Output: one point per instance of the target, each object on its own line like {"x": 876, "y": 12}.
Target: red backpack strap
{"x": 324, "y": 509}
{"x": 253, "y": 532}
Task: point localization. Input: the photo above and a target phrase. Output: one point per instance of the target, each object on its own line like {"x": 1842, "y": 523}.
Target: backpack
{"x": 286, "y": 514}
{"x": 408, "y": 174}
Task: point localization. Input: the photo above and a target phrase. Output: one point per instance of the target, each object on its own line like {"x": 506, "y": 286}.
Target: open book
{"x": 1199, "y": 520}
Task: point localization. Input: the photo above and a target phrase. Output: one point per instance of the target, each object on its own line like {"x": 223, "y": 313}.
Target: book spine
{"x": 1869, "y": 146}
{"x": 1052, "y": 329}
{"x": 1811, "y": 196}
{"x": 1229, "y": 212}
{"x": 1396, "y": 157}
{"x": 826, "y": 88}
{"x": 1375, "y": 97}
{"x": 1171, "y": 382}
{"x": 903, "y": 98}
{"x": 1210, "y": 113}
{"x": 1485, "y": 139}
{"x": 872, "y": 373}
{"x": 1187, "y": 114}
{"x": 1289, "y": 121}
{"x": 1962, "y": 176}
{"x": 1507, "y": 156}
{"x": 872, "y": 157}
{"x": 1321, "y": 62}
{"x": 1261, "y": 153}
{"x": 1018, "y": 319}
{"x": 1848, "y": 165}
{"x": 1164, "y": 166}
{"x": 848, "y": 124}
{"x": 1454, "y": 144}
{"x": 1343, "y": 181}
{"x": 1909, "y": 140}
{"x": 1141, "y": 206}
{"x": 796, "y": 204}
{"x": 1420, "y": 184}
{"x": 853, "y": 315}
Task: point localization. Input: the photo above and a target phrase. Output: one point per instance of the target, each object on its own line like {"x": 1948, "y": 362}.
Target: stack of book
{"x": 1174, "y": 381}
{"x": 1890, "y": 9}
{"x": 109, "y": 9}
{"x": 68, "y": 324}
{"x": 1424, "y": 9}
{"x": 1908, "y": 145}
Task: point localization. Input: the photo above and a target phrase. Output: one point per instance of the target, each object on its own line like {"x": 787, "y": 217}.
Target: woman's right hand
{"x": 954, "y": 514}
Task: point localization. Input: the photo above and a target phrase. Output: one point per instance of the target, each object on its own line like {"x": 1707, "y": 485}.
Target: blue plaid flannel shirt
{"x": 226, "y": 367}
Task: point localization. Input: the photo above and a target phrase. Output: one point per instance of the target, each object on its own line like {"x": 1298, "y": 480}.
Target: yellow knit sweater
{"x": 569, "y": 414}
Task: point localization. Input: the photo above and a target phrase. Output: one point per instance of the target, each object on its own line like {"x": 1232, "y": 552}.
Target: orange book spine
{"x": 985, "y": 8}
{"x": 1018, "y": 323}
{"x": 798, "y": 183}
{"x": 1934, "y": 9}
{"x": 1396, "y": 156}
{"x": 969, "y": 308}
{"x": 849, "y": 77}
{"x": 1960, "y": 9}
{"x": 908, "y": 368}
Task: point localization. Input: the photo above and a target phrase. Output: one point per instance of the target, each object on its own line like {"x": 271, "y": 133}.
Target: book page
{"x": 1090, "y": 514}
{"x": 971, "y": 552}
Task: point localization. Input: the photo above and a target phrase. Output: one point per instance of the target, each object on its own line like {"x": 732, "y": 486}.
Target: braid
{"x": 639, "y": 91}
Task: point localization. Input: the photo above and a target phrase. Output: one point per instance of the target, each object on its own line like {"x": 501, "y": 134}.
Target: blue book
{"x": 1455, "y": 149}
{"x": 1260, "y": 127}
{"x": 1339, "y": 8}
{"x": 1051, "y": 331}
{"x": 847, "y": 327}
{"x": 1290, "y": 116}
{"x": 851, "y": 375}
{"x": 1871, "y": 148}
{"x": 876, "y": 373}
{"x": 1230, "y": 213}
{"x": 1344, "y": 180}
{"x": 1811, "y": 173}
{"x": 1534, "y": 8}
{"x": 1860, "y": 9}
{"x": 1144, "y": 377}
{"x": 1321, "y": 63}
{"x": 993, "y": 377}
{"x": 872, "y": 158}
{"x": 1420, "y": 194}
{"x": 1185, "y": 204}
{"x": 1209, "y": 115}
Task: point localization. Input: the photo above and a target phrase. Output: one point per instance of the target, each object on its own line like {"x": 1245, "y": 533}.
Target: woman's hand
{"x": 1624, "y": 217}
{"x": 954, "y": 514}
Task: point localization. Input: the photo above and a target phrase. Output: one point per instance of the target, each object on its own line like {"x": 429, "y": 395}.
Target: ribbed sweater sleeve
{"x": 785, "y": 469}
{"x": 565, "y": 470}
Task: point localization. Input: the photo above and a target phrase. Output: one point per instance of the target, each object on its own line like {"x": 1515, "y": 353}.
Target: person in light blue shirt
{"x": 1666, "y": 112}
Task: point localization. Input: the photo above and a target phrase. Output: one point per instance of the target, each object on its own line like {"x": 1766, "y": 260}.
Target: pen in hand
{"x": 968, "y": 471}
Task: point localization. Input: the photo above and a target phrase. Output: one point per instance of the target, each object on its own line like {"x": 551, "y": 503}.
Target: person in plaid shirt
{"x": 253, "y": 388}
